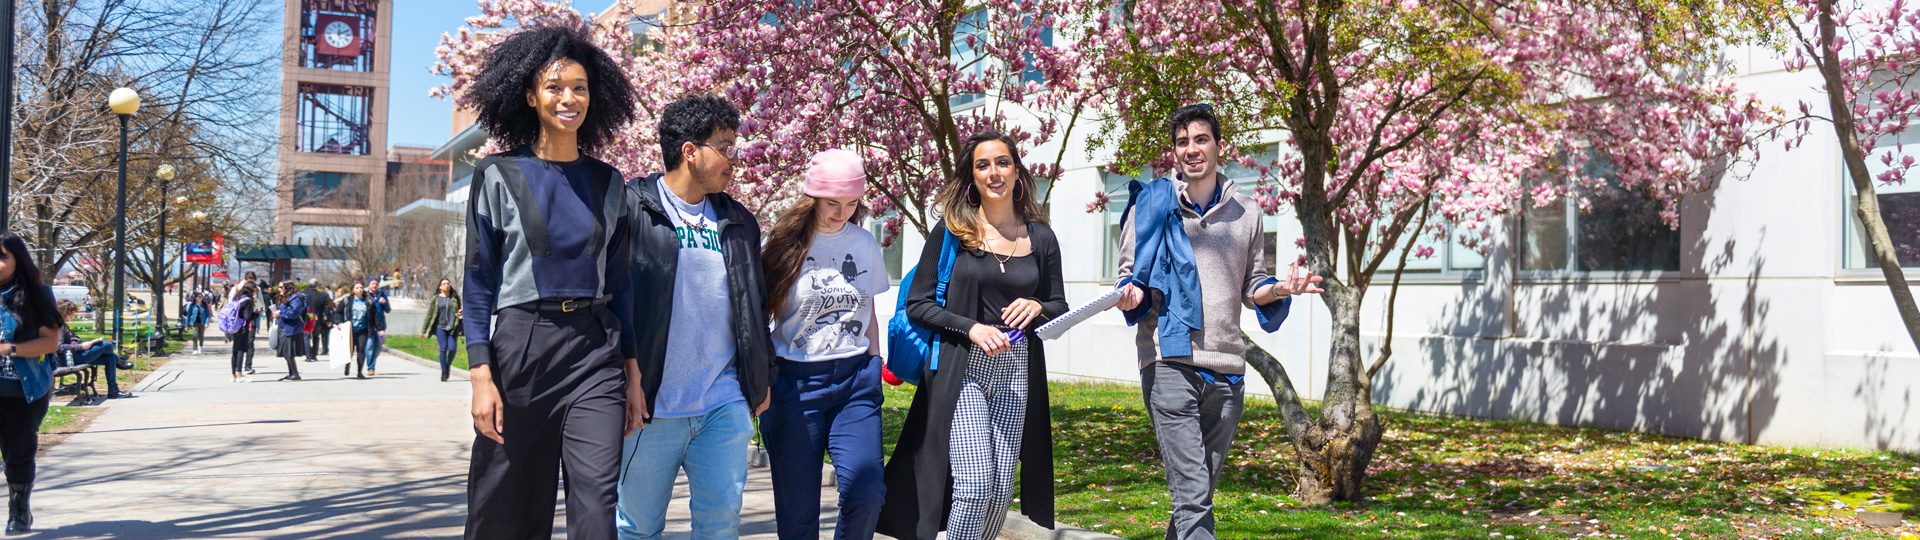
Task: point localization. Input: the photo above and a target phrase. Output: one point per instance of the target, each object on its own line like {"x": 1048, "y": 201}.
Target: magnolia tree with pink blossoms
{"x": 1867, "y": 54}
{"x": 903, "y": 83}
{"x": 1402, "y": 120}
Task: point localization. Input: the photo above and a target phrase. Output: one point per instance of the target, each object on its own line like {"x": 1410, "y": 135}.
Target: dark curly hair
{"x": 498, "y": 93}
{"x": 692, "y": 119}
{"x": 1198, "y": 112}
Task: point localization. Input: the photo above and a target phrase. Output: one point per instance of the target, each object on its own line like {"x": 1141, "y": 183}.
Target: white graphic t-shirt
{"x": 826, "y": 314}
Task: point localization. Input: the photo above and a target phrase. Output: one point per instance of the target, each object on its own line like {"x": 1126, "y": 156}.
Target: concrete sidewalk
{"x": 196, "y": 456}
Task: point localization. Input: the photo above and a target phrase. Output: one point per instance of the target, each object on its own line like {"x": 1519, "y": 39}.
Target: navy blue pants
{"x": 102, "y": 355}
{"x": 448, "y": 346}
{"x": 830, "y": 407}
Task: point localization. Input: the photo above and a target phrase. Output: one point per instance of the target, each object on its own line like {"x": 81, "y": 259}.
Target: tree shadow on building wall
{"x": 1579, "y": 352}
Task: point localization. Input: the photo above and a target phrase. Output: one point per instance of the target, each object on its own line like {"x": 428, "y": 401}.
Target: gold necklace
{"x": 996, "y": 256}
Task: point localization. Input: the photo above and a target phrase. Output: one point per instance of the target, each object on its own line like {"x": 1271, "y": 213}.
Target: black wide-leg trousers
{"x": 563, "y": 387}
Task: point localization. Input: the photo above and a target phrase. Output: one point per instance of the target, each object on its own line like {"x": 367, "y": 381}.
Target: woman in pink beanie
{"x": 823, "y": 270}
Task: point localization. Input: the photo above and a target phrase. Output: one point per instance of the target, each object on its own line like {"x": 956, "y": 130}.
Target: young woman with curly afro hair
{"x": 545, "y": 232}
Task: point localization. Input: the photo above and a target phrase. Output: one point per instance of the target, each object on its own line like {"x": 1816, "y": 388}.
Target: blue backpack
{"x": 914, "y": 350}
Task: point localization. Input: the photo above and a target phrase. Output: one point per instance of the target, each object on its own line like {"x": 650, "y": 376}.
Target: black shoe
{"x": 292, "y": 378}
{"x": 360, "y": 376}
{"x": 124, "y": 364}
{"x": 250, "y": 371}
{"x": 119, "y": 395}
{"x": 19, "y": 513}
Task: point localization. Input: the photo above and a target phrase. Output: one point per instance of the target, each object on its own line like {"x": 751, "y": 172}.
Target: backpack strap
{"x": 947, "y": 252}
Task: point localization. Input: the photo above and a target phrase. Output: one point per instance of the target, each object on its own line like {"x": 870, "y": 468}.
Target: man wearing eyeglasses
{"x": 705, "y": 358}
{"x": 1192, "y": 253}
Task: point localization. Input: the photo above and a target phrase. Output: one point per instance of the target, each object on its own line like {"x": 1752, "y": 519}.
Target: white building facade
{"x": 1759, "y": 320}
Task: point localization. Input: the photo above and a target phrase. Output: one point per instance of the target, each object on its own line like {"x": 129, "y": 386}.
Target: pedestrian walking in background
{"x": 320, "y": 309}
{"x": 364, "y": 319}
{"x": 443, "y": 323}
{"x": 378, "y": 305}
{"x": 195, "y": 316}
{"x": 241, "y": 309}
{"x": 291, "y": 314}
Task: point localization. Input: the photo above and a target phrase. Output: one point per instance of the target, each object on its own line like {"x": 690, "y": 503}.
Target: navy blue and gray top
{"x": 542, "y": 230}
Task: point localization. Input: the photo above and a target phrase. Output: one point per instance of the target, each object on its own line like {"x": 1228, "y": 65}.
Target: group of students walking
{"x": 622, "y": 332}
{"x": 301, "y": 323}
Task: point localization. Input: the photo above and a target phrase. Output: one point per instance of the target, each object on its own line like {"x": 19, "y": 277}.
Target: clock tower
{"x": 333, "y": 123}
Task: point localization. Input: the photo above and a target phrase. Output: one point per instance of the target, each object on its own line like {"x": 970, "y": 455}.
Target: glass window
{"x": 1115, "y": 186}
{"x": 1033, "y": 74}
{"x": 337, "y": 35}
{"x": 334, "y": 190}
{"x": 892, "y": 253}
{"x": 333, "y": 119}
{"x": 969, "y": 59}
{"x": 325, "y": 235}
{"x": 1621, "y": 230}
{"x": 1899, "y": 203}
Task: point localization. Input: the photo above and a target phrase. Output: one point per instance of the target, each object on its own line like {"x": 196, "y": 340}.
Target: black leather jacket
{"x": 656, "y": 253}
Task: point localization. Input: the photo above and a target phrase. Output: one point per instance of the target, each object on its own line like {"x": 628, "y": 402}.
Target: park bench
{"x": 83, "y": 376}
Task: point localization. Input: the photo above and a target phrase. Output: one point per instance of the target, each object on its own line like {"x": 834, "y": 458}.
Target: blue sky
{"x": 412, "y": 117}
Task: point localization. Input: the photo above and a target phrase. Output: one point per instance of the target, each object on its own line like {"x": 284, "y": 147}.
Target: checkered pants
{"x": 985, "y": 441}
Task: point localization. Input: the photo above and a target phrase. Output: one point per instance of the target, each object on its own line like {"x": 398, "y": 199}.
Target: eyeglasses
{"x": 731, "y": 152}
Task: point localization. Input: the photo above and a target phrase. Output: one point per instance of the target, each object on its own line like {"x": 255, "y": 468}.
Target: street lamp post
{"x": 159, "y": 315}
{"x": 124, "y": 102}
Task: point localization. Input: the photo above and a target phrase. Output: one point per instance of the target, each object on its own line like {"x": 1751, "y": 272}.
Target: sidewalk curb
{"x": 1018, "y": 527}
{"x": 385, "y": 350}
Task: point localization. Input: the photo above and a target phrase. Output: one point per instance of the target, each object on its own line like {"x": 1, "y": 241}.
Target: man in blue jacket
{"x": 1193, "y": 279}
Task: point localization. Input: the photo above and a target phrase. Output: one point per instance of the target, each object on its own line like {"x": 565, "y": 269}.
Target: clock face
{"x": 338, "y": 34}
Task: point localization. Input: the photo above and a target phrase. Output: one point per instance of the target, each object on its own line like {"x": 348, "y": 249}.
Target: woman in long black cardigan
{"x": 918, "y": 477}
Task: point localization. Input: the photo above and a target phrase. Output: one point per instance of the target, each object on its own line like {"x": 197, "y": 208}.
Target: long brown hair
{"x": 787, "y": 246}
{"x": 959, "y": 201}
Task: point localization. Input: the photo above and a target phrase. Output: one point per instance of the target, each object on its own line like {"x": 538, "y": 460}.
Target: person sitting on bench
{"x": 98, "y": 352}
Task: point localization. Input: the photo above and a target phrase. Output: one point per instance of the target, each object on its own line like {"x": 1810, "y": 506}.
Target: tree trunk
{"x": 1332, "y": 458}
{"x": 1332, "y": 452}
{"x": 1866, "y": 205}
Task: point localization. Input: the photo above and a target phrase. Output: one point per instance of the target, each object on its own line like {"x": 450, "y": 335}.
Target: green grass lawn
{"x": 59, "y": 416}
{"x": 1447, "y": 477}
{"x": 426, "y": 348}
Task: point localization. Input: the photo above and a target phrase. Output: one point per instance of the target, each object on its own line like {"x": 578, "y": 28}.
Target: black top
{"x": 918, "y": 474}
{"x": 997, "y": 289}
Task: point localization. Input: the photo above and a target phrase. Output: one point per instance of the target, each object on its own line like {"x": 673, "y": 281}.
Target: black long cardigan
{"x": 919, "y": 485}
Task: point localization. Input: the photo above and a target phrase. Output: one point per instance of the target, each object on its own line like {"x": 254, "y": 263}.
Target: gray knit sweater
{"x": 1230, "y": 252}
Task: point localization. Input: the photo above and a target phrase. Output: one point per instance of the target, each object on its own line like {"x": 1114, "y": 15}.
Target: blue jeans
{"x": 828, "y": 407}
{"x": 102, "y": 355}
{"x": 713, "y": 450}
{"x": 448, "y": 346}
{"x": 373, "y": 348}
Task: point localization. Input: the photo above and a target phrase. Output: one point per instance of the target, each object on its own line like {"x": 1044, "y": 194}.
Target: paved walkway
{"x": 196, "y": 456}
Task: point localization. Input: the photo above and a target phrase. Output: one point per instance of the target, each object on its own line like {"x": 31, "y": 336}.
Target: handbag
{"x": 914, "y": 350}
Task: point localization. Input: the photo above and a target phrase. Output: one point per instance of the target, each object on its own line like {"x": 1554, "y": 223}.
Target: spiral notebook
{"x": 1059, "y": 325}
